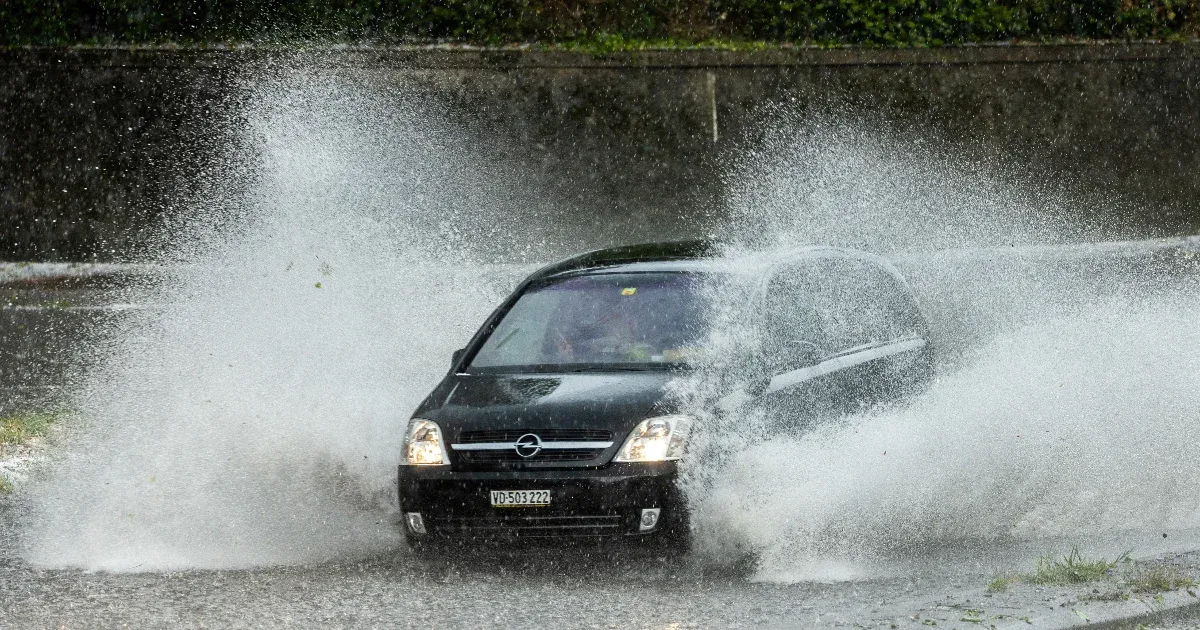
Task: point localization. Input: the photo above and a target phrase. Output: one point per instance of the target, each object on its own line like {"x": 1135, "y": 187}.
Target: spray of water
{"x": 1065, "y": 413}
{"x": 253, "y": 414}
{"x": 1072, "y": 427}
{"x": 315, "y": 290}
{"x": 834, "y": 177}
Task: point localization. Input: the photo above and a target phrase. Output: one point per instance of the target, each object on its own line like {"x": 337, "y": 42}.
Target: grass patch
{"x": 1072, "y": 569}
{"x": 19, "y": 428}
{"x": 1000, "y": 583}
{"x": 6, "y": 486}
{"x": 1160, "y": 579}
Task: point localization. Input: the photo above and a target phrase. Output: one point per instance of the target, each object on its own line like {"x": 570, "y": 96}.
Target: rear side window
{"x": 858, "y": 303}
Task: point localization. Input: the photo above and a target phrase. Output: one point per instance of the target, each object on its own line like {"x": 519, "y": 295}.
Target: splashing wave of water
{"x": 1067, "y": 428}
{"x": 253, "y": 417}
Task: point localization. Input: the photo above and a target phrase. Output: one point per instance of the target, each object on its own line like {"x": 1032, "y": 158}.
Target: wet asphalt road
{"x": 526, "y": 589}
{"x": 572, "y": 589}
{"x": 606, "y": 587}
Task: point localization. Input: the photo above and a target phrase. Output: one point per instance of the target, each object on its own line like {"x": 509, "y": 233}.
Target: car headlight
{"x": 423, "y": 444}
{"x": 656, "y": 440}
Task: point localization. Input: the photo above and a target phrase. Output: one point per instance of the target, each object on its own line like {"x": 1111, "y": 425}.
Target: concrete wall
{"x": 95, "y": 144}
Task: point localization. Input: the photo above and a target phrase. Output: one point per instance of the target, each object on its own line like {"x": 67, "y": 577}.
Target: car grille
{"x": 507, "y": 458}
{"x": 510, "y": 455}
{"x": 547, "y": 435}
{"x": 531, "y": 526}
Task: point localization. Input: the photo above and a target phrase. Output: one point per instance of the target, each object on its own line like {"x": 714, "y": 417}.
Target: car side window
{"x": 860, "y": 303}
{"x": 793, "y": 330}
{"x": 904, "y": 317}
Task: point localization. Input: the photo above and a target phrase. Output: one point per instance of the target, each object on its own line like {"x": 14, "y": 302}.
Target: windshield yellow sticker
{"x": 628, "y": 290}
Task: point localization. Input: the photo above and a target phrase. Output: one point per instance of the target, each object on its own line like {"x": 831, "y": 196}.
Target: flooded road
{"x": 523, "y": 590}
{"x": 562, "y": 588}
{"x": 902, "y": 581}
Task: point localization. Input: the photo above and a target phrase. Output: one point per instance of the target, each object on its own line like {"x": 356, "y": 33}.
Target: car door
{"x": 793, "y": 350}
{"x": 881, "y": 351}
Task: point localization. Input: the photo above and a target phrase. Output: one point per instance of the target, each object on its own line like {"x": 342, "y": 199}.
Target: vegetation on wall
{"x": 603, "y": 23}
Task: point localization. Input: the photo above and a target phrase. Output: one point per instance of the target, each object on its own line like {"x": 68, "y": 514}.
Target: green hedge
{"x": 613, "y": 23}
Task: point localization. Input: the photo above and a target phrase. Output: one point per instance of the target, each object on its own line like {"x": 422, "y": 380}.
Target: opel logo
{"x": 528, "y": 445}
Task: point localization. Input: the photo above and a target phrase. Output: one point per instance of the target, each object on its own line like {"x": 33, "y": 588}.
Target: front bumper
{"x": 585, "y": 503}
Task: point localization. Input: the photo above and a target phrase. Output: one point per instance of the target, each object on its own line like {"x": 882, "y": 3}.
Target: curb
{"x": 1173, "y": 606}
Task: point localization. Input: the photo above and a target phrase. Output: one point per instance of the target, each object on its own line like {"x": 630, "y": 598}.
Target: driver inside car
{"x": 609, "y": 333}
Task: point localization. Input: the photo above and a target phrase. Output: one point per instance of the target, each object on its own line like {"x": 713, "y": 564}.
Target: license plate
{"x": 520, "y": 498}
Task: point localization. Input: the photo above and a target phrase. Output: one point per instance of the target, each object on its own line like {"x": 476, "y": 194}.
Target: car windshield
{"x": 599, "y": 321}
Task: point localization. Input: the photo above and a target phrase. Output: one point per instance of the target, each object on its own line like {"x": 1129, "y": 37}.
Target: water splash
{"x": 1066, "y": 429}
{"x": 316, "y": 288}
{"x": 1066, "y": 396}
{"x": 833, "y": 176}
{"x": 253, "y": 416}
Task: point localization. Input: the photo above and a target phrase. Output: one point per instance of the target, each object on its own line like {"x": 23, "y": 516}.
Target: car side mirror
{"x": 456, "y": 356}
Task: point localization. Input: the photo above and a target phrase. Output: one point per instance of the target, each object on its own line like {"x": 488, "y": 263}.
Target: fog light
{"x": 415, "y": 523}
{"x": 649, "y": 519}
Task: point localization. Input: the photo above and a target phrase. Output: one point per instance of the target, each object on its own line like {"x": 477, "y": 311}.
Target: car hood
{"x": 612, "y": 401}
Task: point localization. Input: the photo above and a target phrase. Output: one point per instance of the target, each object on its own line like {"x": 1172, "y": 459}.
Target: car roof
{"x": 686, "y": 256}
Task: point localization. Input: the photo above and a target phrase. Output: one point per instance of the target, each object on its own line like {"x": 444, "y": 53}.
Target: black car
{"x": 554, "y": 420}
